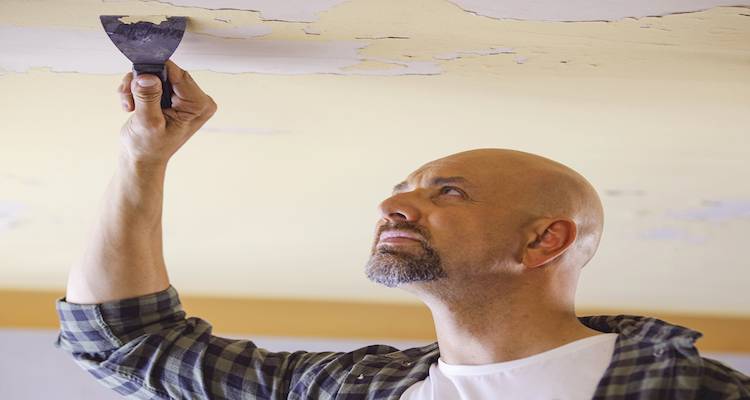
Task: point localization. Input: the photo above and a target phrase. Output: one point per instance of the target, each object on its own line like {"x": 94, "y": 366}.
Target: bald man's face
{"x": 453, "y": 218}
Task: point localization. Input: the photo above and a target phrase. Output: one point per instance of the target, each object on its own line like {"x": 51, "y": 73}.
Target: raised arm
{"x": 123, "y": 322}
{"x": 124, "y": 257}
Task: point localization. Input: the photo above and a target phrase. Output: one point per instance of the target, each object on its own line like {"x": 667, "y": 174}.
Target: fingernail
{"x": 147, "y": 81}
{"x": 125, "y": 106}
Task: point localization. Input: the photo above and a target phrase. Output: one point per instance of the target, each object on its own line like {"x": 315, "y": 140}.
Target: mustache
{"x": 404, "y": 226}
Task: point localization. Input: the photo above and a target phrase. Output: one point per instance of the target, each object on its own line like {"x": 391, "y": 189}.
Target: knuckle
{"x": 212, "y": 106}
{"x": 127, "y": 78}
{"x": 148, "y": 96}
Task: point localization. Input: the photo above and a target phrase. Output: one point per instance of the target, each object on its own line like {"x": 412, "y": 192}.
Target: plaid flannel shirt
{"x": 145, "y": 348}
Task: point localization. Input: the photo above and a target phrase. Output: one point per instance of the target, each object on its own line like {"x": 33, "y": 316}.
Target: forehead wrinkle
{"x": 437, "y": 181}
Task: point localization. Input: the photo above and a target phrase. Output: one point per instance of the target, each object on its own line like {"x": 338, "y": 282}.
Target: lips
{"x": 397, "y": 235}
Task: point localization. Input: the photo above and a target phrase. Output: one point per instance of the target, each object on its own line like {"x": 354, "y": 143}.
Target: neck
{"x": 490, "y": 329}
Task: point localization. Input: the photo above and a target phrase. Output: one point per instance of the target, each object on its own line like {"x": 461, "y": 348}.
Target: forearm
{"x": 124, "y": 257}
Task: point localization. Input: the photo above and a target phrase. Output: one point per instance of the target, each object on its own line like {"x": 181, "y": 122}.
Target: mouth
{"x": 397, "y": 236}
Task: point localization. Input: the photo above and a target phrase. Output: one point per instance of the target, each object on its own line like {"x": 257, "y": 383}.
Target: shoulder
{"x": 718, "y": 381}
{"x": 655, "y": 356}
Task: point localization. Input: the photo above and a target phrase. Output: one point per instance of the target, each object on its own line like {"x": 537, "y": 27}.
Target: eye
{"x": 452, "y": 191}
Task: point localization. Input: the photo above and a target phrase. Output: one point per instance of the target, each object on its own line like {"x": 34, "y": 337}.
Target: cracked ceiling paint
{"x": 379, "y": 38}
{"x": 287, "y": 10}
{"x": 196, "y": 51}
{"x": 588, "y": 10}
{"x": 320, "y": 114}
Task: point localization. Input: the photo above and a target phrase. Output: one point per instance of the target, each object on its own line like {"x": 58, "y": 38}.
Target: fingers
{"x": 189, "y": 100}
{"x": 183, "y": 84}
{"x": 146, "y": 90}
{"x": 126, "y": 96}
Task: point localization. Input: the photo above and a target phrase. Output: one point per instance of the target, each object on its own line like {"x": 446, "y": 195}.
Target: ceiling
{"x": 324, "y": 105}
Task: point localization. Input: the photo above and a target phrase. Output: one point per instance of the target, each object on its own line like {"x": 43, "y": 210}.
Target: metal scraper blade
{"x": 144, "y": 42}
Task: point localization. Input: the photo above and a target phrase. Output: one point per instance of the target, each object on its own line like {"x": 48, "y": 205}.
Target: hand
{"x": 153, "y": 135}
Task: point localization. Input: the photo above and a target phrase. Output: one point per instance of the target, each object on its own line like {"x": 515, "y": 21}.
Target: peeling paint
{"x": 238, "y": 32}
{"x": 311, "y": 30}
{"x": 655, "y": 27}
{"x": 381, "y": 37}
{"x": 408, "y": 68}
{"x": 587, "y": 10}
{"x": 351, "y": 38}
{"x": 483, "y": 52}
{"x": 153, "y": 19}
{"x": 89, "y": 51}
{"x": 270, "y": 10}
{"x": 715, "y": 211}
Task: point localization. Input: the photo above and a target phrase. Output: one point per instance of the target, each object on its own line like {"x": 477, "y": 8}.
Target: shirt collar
{"x": 636, "y": 328}
{"x": 643, "y": 329}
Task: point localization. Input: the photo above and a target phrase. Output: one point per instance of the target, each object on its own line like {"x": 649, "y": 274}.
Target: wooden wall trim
{"x": 342, "y": 319}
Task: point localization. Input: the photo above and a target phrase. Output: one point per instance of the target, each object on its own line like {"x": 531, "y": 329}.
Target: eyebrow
{"x": 437, "y": 181}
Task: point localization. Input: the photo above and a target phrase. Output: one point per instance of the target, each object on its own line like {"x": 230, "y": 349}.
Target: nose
{"x": 399, "y": 208}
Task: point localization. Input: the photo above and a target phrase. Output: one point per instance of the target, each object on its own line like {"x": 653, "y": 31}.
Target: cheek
{"x": 457, "y": 234}
{"x": 466, "y": 238}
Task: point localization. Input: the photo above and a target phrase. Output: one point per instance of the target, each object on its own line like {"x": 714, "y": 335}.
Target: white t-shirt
{"x": 568, "y": 372}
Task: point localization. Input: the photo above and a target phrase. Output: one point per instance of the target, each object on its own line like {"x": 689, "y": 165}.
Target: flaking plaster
{"x": 356, "y": 37}
{"x": 287, "y": 10}
{"x": 588, "y": 10}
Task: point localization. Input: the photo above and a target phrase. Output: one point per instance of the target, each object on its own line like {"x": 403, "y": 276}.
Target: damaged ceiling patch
{"x": 587, "y": 10}
{"x": 275, "y": 10}
{"x": 237, "y": 32}
{"x": 88, "y": 51}
{"x": 386, "y": 67}
{"x": 484, "y": 52}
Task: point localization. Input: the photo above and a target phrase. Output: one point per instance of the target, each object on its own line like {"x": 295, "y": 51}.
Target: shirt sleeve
{"x": 146, "y": 348}
{"x": 722, "y": 382}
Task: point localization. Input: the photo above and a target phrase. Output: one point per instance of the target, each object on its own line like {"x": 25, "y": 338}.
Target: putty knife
{"x": 148, "y": 42}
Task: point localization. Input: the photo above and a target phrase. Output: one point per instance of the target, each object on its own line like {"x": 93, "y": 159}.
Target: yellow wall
{"x": 276, "y": 196}
{"x": 344, "y": 319}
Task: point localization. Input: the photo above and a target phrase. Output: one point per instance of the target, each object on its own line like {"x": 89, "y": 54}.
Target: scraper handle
{"x": 160, "y": 71}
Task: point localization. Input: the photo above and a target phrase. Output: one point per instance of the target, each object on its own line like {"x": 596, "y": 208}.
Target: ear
{"x": 548, "y": 240}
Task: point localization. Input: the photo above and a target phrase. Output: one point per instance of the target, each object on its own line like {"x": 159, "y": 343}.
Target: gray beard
{"x": 392, "y": 268}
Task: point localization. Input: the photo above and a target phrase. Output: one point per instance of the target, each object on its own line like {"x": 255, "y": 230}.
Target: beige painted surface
{"x": 277, "y": 195}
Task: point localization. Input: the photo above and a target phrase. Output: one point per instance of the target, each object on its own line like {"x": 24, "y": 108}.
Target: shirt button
{"x": 658, "y": 352}
{"x": 408, "y": 363}
{"x": 360, "y": 377}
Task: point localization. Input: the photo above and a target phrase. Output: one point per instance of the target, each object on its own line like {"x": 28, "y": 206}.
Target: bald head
{"x": 534, "y": 187}
{"x": 484, "y": 213}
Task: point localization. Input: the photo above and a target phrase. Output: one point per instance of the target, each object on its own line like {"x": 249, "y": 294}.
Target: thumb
{"x": 146, "y": 90}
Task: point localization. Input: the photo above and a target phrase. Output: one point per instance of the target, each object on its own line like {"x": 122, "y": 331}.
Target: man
{"x": 492, "y": 240}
